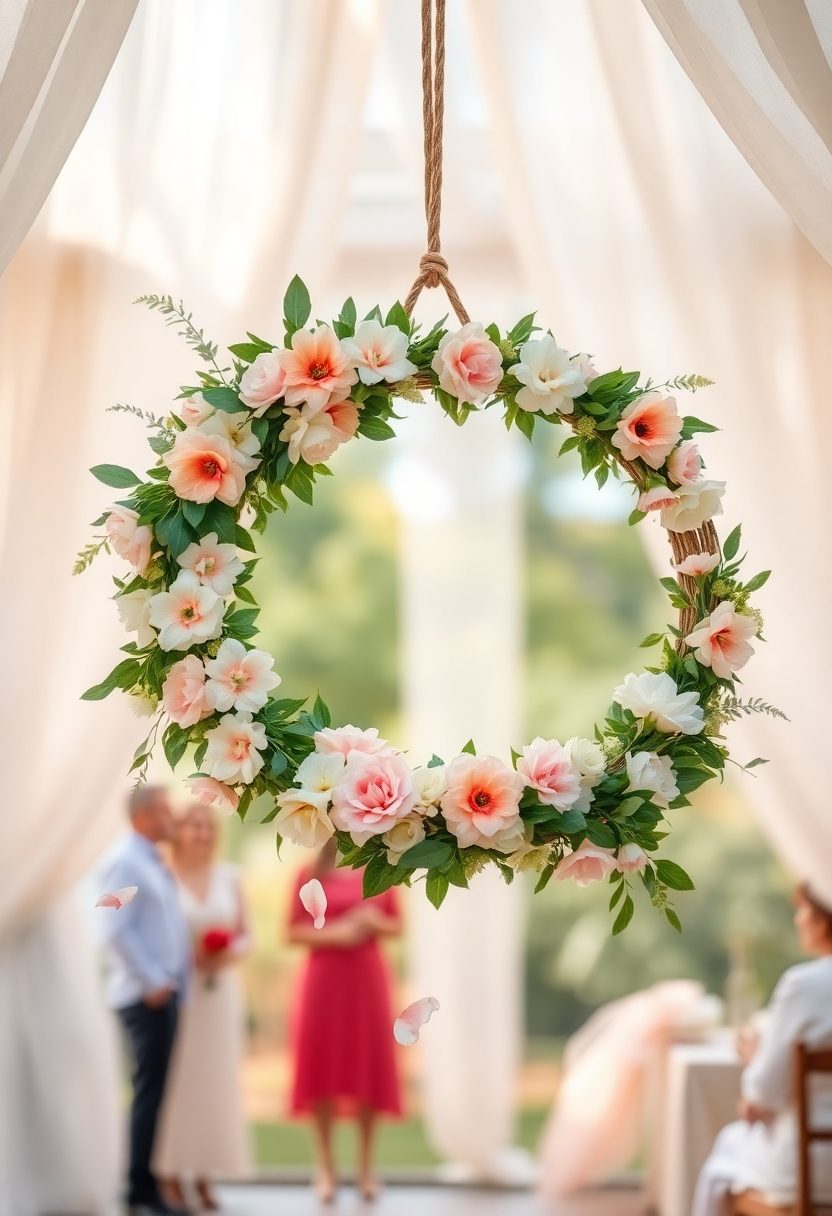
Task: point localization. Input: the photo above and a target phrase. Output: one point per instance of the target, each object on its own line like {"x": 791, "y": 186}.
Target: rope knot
{"x": 432, "y": 268}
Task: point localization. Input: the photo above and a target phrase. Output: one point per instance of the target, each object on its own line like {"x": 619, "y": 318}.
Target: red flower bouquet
{"x": 214, "y": 942}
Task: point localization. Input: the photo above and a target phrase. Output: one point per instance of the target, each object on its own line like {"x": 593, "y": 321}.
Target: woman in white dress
{"x": 202, "y": 1131}
{"x": 760, "y": 1152}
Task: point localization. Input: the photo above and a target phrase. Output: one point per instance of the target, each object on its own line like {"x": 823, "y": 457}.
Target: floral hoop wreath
{"x": 587, "y": 809}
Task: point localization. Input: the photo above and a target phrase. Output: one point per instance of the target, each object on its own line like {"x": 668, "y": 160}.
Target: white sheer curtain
{"x": 764, "y": 68}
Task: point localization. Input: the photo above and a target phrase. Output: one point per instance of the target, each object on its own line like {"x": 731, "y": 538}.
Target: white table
{"x": 695, "y": 1093}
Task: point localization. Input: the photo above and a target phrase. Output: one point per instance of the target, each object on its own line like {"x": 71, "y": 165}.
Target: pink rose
{"x": 546, "y": 767}
{"x": 468, "y": 364}
{"x": 183, "y": 692}
{"x": 649, "y": 428}
{"x": 130, "y": 539}
{"x": 656, "y": 499}
{"x": 346, "y": 739}
{"x": 481, "y": 799}
{"x": 210, "y": 792}
{"x": 262, "y": 383}
{"x": 631, "y": 859}
{"x": 374, "y": 793}
{"x": 589, "y": 863}
{"x": 684, "y": 463}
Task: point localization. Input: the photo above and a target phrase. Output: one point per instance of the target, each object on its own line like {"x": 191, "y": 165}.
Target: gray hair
{"x": 142, "y": 796}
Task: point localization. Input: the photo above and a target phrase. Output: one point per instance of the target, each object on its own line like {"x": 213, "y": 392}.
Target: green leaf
{"x": 348, "y": 314}
{"x": 244, "y": 540}
{"x": 222, "y": 519}
{"x": 193, "y": 512}
{"x": 651, "y": 640}
{"x": 616, "y": 895}
{"x": 732, "y": 542}
{"x": 673, "y": 919}
{"x": 435, "y": 761}
{"x": 115, "y": 475}
{"x": 673, "y": 876}
{"x": 175, "y": 744}
{"x": 545, "y": 874}
{"x": 279, "y": 763}
{"x": 375, "y": 428}
{"x": 524, "y": 421}
{"x": 320, "y": 713}
{"x": 175, "y": 533}
{"x": 635, "y": 517}
{"x": 518, "y": 334}
{"x": 624, "y": 916}
{"x": 224, "y": 399}
{"x": 428, "y": 854}
{"x": 601, "y": 834}
{"x": 296, "y": 304}
{"x": 691, "y": 426}
{"x": 379, "y": 876}
{"x": 436, "y": 886}
{"x": 628, "y": 807}
{"x": 123, "y": 676}
{"x": 398, "y": 317}
{"x": 469, "y": 748}
{"x": 571, "y": 822}
{"x": 758, "y": 581}
{"x": 755, "y": 763}
{"x": 248, "y": 351}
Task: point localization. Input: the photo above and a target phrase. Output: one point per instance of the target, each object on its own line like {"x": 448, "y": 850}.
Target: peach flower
{"x": 550, "y": 379}
{"x": 695, "y": 504}
{"x": 481, "y": 799}
{"x": 649, "y": 428}
{"x": 130, "y": 539}
{"x": 204, "y": 467}
{"x": 374, "y": 793}
{"x": 302, "y": 818}
{"x": 211, "y": 792}
{"x": 697, "y": 564}
{"x": 631, "y": 858}
{"x": 588, "y": 863}
{"x": 347, "y": 739}
{"x": 317, "y": 369}
{"x": 684, "y": 464}
{"x": 310, "y": 434}
{"x": 134, "y": 614}
{"x": 183, "y": 692}
{"x": 195, "y": 409}
{"x": 234, "y": 748}
{"x": 344, "y": 417}
{"x": 239, "y": 678}
{"x": 186, "y": 614}
{"x": 546, "y": 767}
{"x": 656, "y": 499}
{"x": 262, "y": 383}
{"x": 722, "y": 640}
{"x": 469, "y": 365}
{"x": 379, "y": 352}
{"x": 215, "y": 565}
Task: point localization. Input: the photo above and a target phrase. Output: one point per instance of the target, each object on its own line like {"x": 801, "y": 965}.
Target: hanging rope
{"x": 433, "y": 269}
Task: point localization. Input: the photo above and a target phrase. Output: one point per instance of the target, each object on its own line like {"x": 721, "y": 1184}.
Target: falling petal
{"x": 408, "y": 1024}
{"x": 313, "y": 898}
{"x": 117, "y": 899}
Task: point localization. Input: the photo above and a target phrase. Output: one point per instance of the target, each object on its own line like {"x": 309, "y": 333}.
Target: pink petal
{"x": 117, "y": 899}
{"x": 313, "y": 898}
{"x": 408, "y": 1024}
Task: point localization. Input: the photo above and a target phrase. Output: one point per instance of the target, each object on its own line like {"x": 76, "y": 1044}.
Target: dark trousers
{"x": 150, "y": 1033}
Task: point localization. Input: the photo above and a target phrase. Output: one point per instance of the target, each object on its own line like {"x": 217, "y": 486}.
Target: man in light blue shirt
{"x": 149, "y": 956}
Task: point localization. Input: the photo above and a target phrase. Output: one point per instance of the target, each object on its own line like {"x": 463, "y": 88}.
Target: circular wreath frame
{"x": 611, "y": 829}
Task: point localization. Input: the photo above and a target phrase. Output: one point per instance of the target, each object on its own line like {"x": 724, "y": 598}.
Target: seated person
{"x": 760, "y": 1152}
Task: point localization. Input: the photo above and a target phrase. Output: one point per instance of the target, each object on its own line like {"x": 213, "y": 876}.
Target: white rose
{"x": 321, "y": 772}
{"x": 302, "y": 818}
{"x": 430, "y": 785}
{"x": 134, "y": 613}
{"x": 654, "y": 695}
{"x": 587, "y": 756}
{"x": 403, "y": 836}
{"x": 650, "y": 771}
{"x": 695, "y": 504}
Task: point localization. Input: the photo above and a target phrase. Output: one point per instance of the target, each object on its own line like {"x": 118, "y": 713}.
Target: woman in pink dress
{"x": 344, "y": 1052}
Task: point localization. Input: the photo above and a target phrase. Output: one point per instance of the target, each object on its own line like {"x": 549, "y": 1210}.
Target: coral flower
{"x": 469, "y": 365}
{"x": 130, "y": 539}
{"x": 210, "y": 792}
{"x": 215, "y": 565}
{"x": 481, "y": 799}
{"x": 240, "y": 678}
{"x": 186, "y": 614}
{"x": 379, "y": 352}
{"x": 183, "y": 692}
{"x": 546, "y": 767}
{"x": 722, "y": 640}
{"x": 234, "y": 749}
{"x": 316, "y": 369}
{"x": 589, "y": 863}
{"x": 204, "y": 467}
{"x": 649, "y": 428}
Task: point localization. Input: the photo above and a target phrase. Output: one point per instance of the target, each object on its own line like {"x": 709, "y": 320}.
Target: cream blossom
{"x": 684, "y": 464}
{"x": 130, "y": 539}
{"x": 550, "y": 378}
{"x": 216, "y": 566}
{"x": 205, "y": 466}
{"x": 587, "y": 864}
{"x": 311, "y": 435}
{"x": 695, "y": 504}
{"x": 631, "y": 858}
{"x": 648, "y": 429}
{"x": 588, "y": 757}
{"x": 321, "y": 772}
{"x": 262, "y": 383}
{"x": 211, "y": 792}
{"x": 586, "y": 367}
{"x": 134, "y": 613}
{"x": 697, "y": 564}
{"x": 655, "y": 696}
{"x": 375, "y": 792}
{"x": 317, "y": 369}
{"x": 236, "y": 428}
{"x": 482, "y": 798}
{"x": 195, "y": 409}
{"x": 547, "y": 769}
{"x": 240, "y": 678}
{"x": 722, "y": 641}
{"x": 186, "y": 614}
{"x": 183, "y": 692}
{"x": 650, "y": 771}
{"x": 403, "y": 836}
{"x": 302, "y": 817}
{"x": 429, "y": 783}
{"x": 234, "y": 748}
{"x": 469, "y": 365}
{"x": 511, "y": 840}
{"x": 379, "y": 352}
{"x": 347, "y": 739}
{"x": 656, "y": 499}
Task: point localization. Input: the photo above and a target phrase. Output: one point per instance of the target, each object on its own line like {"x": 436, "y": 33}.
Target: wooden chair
{"x": 752, "y": 1203}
